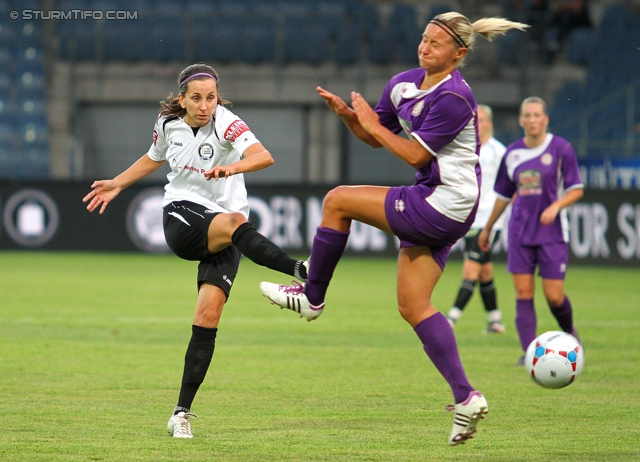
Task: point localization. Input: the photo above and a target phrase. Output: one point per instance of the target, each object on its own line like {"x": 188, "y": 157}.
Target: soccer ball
{"x": 554, "y": 359}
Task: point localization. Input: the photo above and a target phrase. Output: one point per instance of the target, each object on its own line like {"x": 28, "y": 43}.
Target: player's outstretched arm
{"x": 104, "y": 191}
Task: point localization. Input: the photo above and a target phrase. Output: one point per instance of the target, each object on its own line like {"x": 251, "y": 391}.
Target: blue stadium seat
{"x": 31, "y": 34}
{"x": 36, "y": 162}
{"x": 33, "y": 110}
{"x": 78, "y": 40}
{"x": 8, "y": 36}
{"x": 306, "y": 40}
{"x": 259, "y": 40}
{"x": 123, "y": 41}
{"x": 6, "y": 85}
{"x": 33, "y": 134}
{"x": 8, "y": 133}
{"x": 579, "y": 46}
{"x": 348, "y": 44}
{"x": 31, "y": 59}
{"x": 32, "y": 85}
{"x": 7, "y": 60}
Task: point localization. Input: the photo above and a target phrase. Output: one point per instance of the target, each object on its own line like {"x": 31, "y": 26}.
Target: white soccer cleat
{"x": 291, "y": 297}
{"x": 466, "y": 418}
{"x": 179, "y": 425}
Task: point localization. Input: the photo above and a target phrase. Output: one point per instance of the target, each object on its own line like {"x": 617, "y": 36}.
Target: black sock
{"x": 262, "y": 251}
{"x": 465, "y": 293}
{"x": 488, "y": 293}
{"x": 196, "y": 363}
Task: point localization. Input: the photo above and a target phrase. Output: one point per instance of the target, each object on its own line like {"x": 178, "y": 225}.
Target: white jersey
{"x": 221, "y": 142}
{"x": 491, "y": 153}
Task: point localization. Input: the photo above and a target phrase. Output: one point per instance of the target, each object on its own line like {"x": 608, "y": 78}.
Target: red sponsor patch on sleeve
{"x": 233, "y": 131}
{"x": 155, "y": 137}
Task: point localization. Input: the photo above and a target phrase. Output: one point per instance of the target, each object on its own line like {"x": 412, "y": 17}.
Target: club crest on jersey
{"x": 546, "y": 159}
{"x": 417, "y": 109}
{"x": 205, "y": 151}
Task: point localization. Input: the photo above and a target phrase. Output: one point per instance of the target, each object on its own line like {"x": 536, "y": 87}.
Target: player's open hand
{"x": 367, "y": 117}
{"x": 103, "y": 192}
{"x": 335, "y": 103}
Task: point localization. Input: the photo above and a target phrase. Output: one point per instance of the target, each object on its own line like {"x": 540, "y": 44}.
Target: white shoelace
{"x": 183, "y": 426}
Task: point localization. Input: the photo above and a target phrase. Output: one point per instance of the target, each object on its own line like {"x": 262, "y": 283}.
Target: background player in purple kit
{"x": 542, "y": 169}
{"x": 436, "y": 109}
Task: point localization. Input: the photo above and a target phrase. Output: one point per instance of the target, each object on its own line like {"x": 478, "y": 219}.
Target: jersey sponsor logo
{"x": 546, "y": 159}
{"x": 399, "y": 205}
{"x": 155, "y": 137}
{"x": 234, "y": 130}
{"x": 205, "y": 151}
{"x": 227, "y": 280}
{"x": 417, "y": 109}
{"x": 529, "y": 183}
{"x": 176, "y": 143}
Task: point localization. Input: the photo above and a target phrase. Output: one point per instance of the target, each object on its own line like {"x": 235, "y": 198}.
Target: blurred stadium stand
{"x": 593, "y": 86}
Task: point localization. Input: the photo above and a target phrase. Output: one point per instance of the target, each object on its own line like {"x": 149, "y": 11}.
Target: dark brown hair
{"x": 199, "y": 71}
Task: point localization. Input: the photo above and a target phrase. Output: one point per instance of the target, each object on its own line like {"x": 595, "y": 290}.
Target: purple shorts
{"x": 416, "y": 222}
{"x": 552, "y": 259}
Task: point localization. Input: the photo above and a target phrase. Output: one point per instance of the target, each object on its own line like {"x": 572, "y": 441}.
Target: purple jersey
{"x": 443, "y": 120}
{"x": 539, "y": 176}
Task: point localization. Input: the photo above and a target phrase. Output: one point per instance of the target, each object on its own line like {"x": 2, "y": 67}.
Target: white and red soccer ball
{"x": 555, "y": 359}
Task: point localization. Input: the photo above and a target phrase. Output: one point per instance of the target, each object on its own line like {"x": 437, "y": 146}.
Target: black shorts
{"x": 186, "y": 227}
{"x": 472, "y": 250}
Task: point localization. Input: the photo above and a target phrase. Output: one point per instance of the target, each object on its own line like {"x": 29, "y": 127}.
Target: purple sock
{"x": 526, "y": 322}
{"x": 440, "y": 345}
{"x": 564, "y": 315}
{"x": 328, "y": 246}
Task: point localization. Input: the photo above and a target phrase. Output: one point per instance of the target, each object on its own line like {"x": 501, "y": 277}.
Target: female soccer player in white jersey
{"x": 477, "y": 265}
{"x": 542, "y": 169}
{"x": 208, "y": 148}
{"x": 437, "y": 111}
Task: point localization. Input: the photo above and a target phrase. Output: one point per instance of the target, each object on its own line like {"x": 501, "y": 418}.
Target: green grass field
{"x": 92, "y": 347}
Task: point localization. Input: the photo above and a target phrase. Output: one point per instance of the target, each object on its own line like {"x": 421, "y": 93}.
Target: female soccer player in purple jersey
{"x": 436, "y": 109}
{"x": 541, "y": 169}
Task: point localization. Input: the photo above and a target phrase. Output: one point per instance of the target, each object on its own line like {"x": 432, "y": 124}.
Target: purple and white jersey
{"x": 443, "y": 120}
{"x": 539, "y": 176}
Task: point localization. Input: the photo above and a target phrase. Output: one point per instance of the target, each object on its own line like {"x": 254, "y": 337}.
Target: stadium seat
{"x": 77, "y": 40}
{"x": 7, "y": 133}
{"x": 348, "y": 44}
{"x": 31, "y": 59}
{"x": 6, "y": 85}
{"x": 33, "y": 110}
{"x": 36, "y": 162}
{"x": 31, "y": 34}
{"x": 306, "y": 40}
{"x": 259, "y": 45}
{"x": 579, "y": 46}
{"x": 32, "y": 85}
{"x": 34, "y": 134}
{"x": 7, "y": 61}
